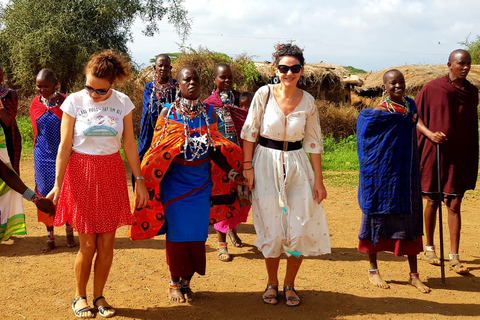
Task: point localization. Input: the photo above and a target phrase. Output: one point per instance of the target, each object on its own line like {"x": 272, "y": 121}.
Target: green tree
{"x": 62, "y": 35}
{"x": 473, "y": 47}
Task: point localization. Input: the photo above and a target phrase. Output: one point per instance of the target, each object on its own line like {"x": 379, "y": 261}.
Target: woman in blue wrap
{"x": 389, "y": 188}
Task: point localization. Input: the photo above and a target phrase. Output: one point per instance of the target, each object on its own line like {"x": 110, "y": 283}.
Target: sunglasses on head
{"x": 284, "y": 69}
{"x": 100, "y": 92}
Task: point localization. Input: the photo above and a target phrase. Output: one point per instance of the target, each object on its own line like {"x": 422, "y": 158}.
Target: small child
{"x": 245, "y": 100}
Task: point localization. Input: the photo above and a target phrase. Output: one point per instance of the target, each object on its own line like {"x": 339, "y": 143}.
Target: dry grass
{"x": 338, "y": 121}
{"x": 316, "y": 73}
{"x": 416, "y": 76}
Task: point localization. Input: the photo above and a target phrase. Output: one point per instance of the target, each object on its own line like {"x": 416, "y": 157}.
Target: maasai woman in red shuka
{"x": 46, "y": 118}
{"x": 230, "y": 122}
{"x": 8, "y": 114}
{"x": 187, "y": 192}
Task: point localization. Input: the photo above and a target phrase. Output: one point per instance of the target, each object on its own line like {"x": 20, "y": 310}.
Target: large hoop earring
{"x": 275, "y": 80}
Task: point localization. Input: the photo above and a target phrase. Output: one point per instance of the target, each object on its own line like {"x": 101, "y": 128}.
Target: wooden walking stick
{"x": 440, "y": 221}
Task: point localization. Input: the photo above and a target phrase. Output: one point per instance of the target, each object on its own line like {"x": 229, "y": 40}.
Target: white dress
{"x": 285, "y": 214}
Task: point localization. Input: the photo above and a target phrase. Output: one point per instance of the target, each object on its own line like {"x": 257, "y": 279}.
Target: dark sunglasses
{"x": 284, "y": 69}
{"x": 100, "y": 92}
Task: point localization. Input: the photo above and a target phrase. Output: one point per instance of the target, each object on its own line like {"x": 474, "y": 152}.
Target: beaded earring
{"x": 384, "y": 92}
{"x": 275, "y": 80}
{"x": 301, "y": 80}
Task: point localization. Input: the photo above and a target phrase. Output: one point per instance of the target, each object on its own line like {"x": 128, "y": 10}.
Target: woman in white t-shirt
{"x": 91, "y": 184}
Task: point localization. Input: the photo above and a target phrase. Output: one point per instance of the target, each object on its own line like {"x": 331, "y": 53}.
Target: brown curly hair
{"x": 108, "y": 65}
{"x": 287, "y": 50}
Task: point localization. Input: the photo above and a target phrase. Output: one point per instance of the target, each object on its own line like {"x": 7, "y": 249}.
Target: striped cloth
{"x": 12, "y": 217}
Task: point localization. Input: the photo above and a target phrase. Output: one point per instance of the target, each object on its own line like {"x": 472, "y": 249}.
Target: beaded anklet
{"x": 373, "y": 272}
{"x": 174, "y": 285}
{"x": 454, "y": 256}
{"x": 414, "y": 275}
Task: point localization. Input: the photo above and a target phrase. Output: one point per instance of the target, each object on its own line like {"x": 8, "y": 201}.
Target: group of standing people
{"x": 194, "y": 155}
{"x": 398, "y": 145}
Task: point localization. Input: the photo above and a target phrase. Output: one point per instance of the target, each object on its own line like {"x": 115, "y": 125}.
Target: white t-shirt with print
{"x": 99, "y": 125}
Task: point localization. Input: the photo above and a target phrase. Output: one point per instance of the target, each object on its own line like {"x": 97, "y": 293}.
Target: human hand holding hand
{"x": 46, "y": 205}
{"x": 240, "y": 179}
{"x": 54, "y": 195}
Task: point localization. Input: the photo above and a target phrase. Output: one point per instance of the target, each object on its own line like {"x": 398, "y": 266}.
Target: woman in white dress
{"x": 286, "y": 193}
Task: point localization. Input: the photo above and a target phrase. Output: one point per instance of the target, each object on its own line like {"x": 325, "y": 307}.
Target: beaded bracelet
{"x": 30, "y": 195}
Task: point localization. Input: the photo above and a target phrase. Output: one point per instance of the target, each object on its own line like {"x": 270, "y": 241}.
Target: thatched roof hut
{"x": 322, "y": 80}
{"x": 416, "y": 76}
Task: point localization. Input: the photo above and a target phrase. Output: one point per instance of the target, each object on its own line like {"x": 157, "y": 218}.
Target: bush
{"x": 25, "y": 127}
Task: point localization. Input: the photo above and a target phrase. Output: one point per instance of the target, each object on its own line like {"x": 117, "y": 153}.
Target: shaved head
{"x": 454, "y": 53}
{"x": 47, "y": 75}
{"x": 389, "y": 73}
{"x": 184, "y": 70}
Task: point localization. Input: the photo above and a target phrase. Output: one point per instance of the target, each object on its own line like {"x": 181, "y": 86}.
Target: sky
{"x": 367, "y": 34}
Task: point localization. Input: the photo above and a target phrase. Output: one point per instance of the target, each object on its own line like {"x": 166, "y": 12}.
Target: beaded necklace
{"x": 189, "y": 110}
{"x": 3, "y": 90}
{"x": 228, "y": 99}
{"x": 162, "y": 93}
{"x": 394, "y": 107}
{"x": 47, "y": 102}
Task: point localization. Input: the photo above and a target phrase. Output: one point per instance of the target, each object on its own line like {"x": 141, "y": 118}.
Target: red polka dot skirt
{"x": 94, "y": 197}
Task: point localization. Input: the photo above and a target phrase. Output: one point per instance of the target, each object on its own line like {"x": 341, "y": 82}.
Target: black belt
{"x": 280, "y": 145}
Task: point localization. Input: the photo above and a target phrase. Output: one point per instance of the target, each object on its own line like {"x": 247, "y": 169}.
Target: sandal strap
{"x": 78, "y": 299}
{"x": 289, "y": 288}
{"x": 271, "y": 287}
{"x": 84, "y": 309}
{"x": 97, "y": 299}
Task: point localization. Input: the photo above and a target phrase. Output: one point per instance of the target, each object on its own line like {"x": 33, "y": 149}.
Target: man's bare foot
{"x": 414, "y": 281}
{"x": 49, "y": 246}
{"x": 431, "y": 257}
{"x": 188, "y": 294}
{"x": 176, "y": 292}
{"x": 376, "y": 280}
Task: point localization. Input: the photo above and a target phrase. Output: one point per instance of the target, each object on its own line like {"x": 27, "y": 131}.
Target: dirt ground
{"x": 334, "y": 286}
